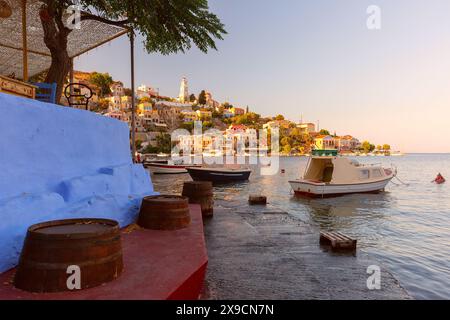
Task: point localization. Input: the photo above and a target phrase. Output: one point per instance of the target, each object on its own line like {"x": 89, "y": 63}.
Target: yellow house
{"x": 144, "y": 107}
{"x": 204, "y": 114}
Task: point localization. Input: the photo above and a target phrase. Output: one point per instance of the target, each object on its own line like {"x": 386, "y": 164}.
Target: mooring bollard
{"x": 87, "y": 250}
{"x": 255, "y": 199}
{"x": 200, "y": 192}
{"x": 164, "y": 212}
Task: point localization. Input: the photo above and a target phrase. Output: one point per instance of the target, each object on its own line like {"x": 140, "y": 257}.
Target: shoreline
{"x": 258, "y": 252}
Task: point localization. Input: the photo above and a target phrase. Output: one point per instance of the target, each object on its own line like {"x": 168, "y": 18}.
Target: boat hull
{"x": 166, "y": 169}
{"x": 308, "y": 188}
{"x": 218, "y": 176}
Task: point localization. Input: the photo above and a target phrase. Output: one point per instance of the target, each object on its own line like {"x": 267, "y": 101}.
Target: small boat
{"x": 167, "y": 166}
{"x": 330, "y": 175}
{"x": 219, "y": 175}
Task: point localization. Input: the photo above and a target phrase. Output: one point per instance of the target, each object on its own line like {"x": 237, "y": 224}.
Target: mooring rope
{"x": 403, "y": 183}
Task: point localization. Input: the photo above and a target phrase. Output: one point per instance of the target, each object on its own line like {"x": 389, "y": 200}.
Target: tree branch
{"x": 89, "y": 16}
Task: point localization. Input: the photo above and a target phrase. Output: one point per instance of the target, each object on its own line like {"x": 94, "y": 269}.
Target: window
{"x": 376, "y": 173}
{"x": 364, "y": 174}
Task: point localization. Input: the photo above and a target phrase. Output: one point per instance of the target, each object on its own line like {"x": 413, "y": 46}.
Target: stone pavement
{"x": 258, "y": 252}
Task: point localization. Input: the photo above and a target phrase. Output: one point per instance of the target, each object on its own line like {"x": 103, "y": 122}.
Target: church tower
{"x": 184, "y": 91}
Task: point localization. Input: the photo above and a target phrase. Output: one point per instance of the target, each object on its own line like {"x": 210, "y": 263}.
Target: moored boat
{"x": 219, "y": 175}
{"x": 167, "y": 167}
{"x": 330, "y": 175}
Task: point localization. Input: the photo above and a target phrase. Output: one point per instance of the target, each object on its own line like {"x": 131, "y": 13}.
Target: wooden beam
{"x": 29, "y": 51}
{"x": 24, "y": 40}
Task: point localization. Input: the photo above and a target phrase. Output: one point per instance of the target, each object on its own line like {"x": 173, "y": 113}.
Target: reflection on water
{"x": 407, "y": 228}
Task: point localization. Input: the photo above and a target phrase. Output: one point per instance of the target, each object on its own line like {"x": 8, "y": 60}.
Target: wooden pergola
{"x": 23, "y": 52}
{"x": 22, "y": 33}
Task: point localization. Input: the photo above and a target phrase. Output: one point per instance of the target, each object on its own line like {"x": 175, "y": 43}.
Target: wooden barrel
{"x": 164, "y": 212}
{"x": 200, "y": 192}
{"x": 54, "y": 250}
{"x": 257, "y": 199}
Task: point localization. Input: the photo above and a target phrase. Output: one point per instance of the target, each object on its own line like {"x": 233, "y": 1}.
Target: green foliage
{"x": 250, "y": 118}
{"x": 217, "y": 114}
{"x": 103, "y": 81}
{"x": 150, "y": 149}
{"x": 207, "y": 125}
{"x": 192, "y": 98}
{"x": 286, "y": 149}
{"x": 279, "y": 117}
{"x": 386, "y": 147}
{"x": 367, "y": 147}
{"x": 163, "y": 141}
{"x": 188, "y": 126}
{"x": 167, "y": 26}
{"x": 202, "y": 98}
{"x": 102, "y": 105}
{"x": 138, "y": 144}
{"x": 227, "y": 105}
{"x": 324, "y": 132}
{"x": 285, "y": 141}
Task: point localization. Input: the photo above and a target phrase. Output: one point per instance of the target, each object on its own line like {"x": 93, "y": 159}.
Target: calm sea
{"x": 406, "y": 229}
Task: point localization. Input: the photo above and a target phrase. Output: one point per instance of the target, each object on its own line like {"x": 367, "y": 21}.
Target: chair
{"x": 75, "y": 96}
{"x": 46, "y": 92}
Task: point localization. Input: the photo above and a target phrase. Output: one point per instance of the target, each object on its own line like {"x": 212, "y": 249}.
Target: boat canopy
{"x": 335, "y": 170}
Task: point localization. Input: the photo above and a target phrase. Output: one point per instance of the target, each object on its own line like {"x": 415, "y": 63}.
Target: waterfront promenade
{"x": 264, "y": 253}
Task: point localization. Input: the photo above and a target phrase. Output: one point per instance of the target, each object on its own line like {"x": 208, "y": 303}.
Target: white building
{"x": 184, "y": 91}
{"x": 144, "y": 91}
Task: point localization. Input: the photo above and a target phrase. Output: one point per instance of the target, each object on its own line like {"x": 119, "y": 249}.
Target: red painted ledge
{"x": 158, "y": 265}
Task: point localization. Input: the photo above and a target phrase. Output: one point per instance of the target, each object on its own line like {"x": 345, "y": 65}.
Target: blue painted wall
{"x": 58, "y": 163}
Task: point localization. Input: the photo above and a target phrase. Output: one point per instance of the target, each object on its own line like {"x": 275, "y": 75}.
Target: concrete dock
{"x": 259, "y": 252}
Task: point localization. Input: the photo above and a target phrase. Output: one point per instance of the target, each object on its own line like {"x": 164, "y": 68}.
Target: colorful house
{"x": 324, "y": 142}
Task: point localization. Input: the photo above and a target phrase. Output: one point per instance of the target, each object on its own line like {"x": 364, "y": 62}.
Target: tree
{"x": 367, "y": 147}
{"x": 192, "y": 98}
{"x": 202, "y": 98}
{"x": 163, "y": 141}
{"x": 102, "y": 105}
{"x": 250, "y": 118}
{"x": 386, "y": 147}
{"x": 285, "y": 141}
{"x": 279, "y": 117}
{"x": 167, "y": 26}
{"x": 103, "y": 81}
{"x": 324, "y": 132}
{"x": 227, "y": 105}
{"x": 286, "y": 149}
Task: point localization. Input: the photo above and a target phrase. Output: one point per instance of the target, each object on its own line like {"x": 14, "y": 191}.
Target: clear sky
{"x": 318, "y": 59}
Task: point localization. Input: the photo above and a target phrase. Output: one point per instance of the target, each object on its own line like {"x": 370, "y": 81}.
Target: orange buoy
{"x": 439, "y": 179}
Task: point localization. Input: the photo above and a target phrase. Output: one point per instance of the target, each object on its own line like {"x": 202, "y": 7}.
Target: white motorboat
{"x": 330, "y": 175}
{"x": 168, "y": 166}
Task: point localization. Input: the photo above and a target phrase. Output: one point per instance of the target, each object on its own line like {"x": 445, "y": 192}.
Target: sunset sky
{"x": 318, "y": 59}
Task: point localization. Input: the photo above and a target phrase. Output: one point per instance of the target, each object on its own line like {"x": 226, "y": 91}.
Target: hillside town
{"x": 157, "y": 116}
